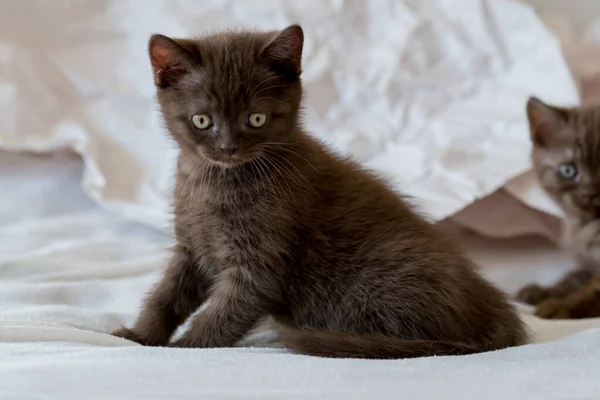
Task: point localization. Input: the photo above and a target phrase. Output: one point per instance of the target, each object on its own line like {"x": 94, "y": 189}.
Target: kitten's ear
{"x": 546, "y": 123}
{"x": 284, "y": 52}
{"x": 170, "y": 59}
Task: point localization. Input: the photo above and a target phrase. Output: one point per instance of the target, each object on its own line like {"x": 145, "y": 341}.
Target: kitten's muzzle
{"x": 229, "y": 151}
{"x": 589, "y": 201}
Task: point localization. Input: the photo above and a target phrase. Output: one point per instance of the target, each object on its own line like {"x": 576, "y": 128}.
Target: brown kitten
{"x": 566, "y": 159}
{"x": 270, "y": 222}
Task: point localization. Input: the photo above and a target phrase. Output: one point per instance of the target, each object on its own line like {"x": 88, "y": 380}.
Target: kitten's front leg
{"x": 570, "y": 283}
{"x": 586, "y": 244}
{"x": 582, "y": 304}
{"x": 182, "y": 290}
{"x": 235, "y": 306}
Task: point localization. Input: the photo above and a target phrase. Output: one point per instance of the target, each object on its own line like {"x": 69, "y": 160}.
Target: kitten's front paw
{"x": 129, "y": 335}
{"x": 532, "y": 294}
{"x": 594, "y": 287}
{"x": 553, "y": 309}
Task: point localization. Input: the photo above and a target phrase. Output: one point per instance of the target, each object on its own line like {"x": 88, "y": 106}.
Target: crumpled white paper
{"x": 429, "y": 93}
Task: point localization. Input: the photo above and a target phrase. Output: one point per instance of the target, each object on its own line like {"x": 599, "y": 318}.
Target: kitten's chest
{"x": 240, "y": 232}
{"x": 583, "y": 240}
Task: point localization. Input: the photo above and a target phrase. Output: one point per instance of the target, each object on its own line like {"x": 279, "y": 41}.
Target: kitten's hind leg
{"x": 182, "y": 290}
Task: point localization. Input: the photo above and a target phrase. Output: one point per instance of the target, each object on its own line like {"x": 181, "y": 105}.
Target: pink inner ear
{"x": 162, "y": 58}
{"x": 169, "y": 60}
{"x": 546, "y": 122}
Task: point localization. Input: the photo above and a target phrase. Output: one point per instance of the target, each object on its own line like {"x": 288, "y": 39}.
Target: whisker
{"x": 301, "y": 184}
{"x": 207, "y": 180}
{"x": 204, "y": 183}
{"x": 302, "y": 157}
{"x": 279, "y": 144}
{"x": 270, "y": 167}
{"x": 262, "y": 83}
{"x": 295, "y": 153}
{"x": 263, "y": 175}
{"x": 270, "y": 98}
{"x": 291, "y": 164}
{"x": 193, "y": 180}
{"x": 272, "y": 182}
{"x": 270, "y": 87}
{"x": 282, "y": 172}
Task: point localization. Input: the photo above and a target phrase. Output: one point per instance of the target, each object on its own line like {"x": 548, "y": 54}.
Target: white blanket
{"x": 563, "y": 370}
{"x": 71, "y": 272}
{"x": 424, "y": 91}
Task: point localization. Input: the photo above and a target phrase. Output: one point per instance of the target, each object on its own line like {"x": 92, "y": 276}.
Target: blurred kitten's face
{"x": 566, "y": 156}
{"x": 229, "y": 98}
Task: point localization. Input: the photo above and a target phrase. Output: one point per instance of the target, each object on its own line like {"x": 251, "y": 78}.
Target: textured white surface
{"x": 427, "y": 92}
{"x": 70, "y": 272}
{"x": 568, "y": 369}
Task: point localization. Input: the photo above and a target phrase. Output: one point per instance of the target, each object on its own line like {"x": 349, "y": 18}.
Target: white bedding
{"x": 74, "y": 264}
{"x": 71, "y": 271}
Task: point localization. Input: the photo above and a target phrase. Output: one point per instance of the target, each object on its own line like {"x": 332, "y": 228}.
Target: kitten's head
{"x": 229, "y": 97}
{"x": 566, "y": 156}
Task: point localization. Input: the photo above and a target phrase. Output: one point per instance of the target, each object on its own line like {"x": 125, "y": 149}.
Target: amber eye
{"x": 256, "y": 120}
{"x": 567, "y": 171}
{"x": 202, "y": 121}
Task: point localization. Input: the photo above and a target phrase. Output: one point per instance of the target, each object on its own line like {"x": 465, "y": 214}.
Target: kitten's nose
{"x": 229, "y": 150}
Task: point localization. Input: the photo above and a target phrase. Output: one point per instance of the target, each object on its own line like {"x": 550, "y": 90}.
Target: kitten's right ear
{"x": 170, "y": 60}
{"x": 284, "y": 51}
{"x": 546, "y": 123}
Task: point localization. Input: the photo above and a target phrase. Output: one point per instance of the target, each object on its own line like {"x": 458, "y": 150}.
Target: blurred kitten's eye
{"x": 567, "y": 171}
{"x": 256, "y": 120}
{"x": 202, "y": 121}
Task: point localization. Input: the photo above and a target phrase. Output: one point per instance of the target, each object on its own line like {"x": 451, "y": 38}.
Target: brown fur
{"x": 569, "y": 136}
{"x": 286, "y": 228}
{"x": 584, "y": 303}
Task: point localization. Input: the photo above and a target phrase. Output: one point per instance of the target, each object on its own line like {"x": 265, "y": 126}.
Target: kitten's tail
{"x": 344, "y": 345}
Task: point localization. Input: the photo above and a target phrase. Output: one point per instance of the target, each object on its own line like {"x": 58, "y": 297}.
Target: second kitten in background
{"x": 566, "y": 159}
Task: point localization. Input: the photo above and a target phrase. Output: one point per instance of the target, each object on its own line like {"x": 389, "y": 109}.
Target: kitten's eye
{"x": 567, "y": 171}
{"x": 256, "y": 120}
{"x": 202, "y": 121}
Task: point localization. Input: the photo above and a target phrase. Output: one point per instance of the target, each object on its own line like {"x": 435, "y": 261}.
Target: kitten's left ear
{"x": 547, "y": 124}
{"x": 170, "y": 59}
{"x": 284, "y": 52}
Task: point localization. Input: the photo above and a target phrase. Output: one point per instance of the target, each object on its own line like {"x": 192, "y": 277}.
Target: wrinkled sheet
{"x": 427, "y": 93}
{"x": 71, "y": 272}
